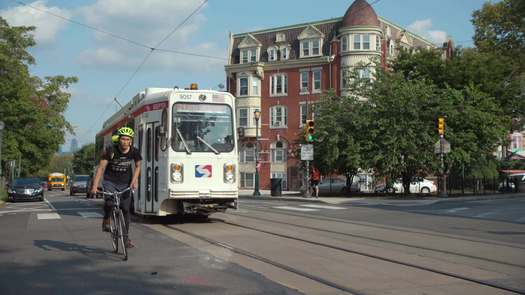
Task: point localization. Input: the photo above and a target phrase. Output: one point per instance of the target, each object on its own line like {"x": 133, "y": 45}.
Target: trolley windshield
{"x": 202, "y": 127}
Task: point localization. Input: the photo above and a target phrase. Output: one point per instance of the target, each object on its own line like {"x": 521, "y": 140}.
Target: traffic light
{"x": 441, "y": 125}
{"x": 310, "y": 131}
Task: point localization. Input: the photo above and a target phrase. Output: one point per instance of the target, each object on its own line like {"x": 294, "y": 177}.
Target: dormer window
{"x": 310, "y": 48}
{"x": 249, "y": 55}
{"x": 272, "y": 54}
{"x": 285, "y": 53}
{"x": 280, "y": 37}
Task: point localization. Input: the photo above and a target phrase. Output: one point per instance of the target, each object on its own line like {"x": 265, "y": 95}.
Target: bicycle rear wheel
{"x": 113, "y": 229}
{"x": 122, "y": 234}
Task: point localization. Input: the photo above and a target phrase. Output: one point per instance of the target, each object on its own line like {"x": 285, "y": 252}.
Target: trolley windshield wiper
{"x": 208, "y": 145}
{"x": 183, "y": 141}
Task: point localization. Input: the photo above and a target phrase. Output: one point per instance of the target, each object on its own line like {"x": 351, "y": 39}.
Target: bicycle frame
{"x": 118, "y": 228}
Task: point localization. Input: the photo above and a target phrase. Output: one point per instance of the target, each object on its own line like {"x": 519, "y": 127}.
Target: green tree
{"x": 31, "y": 108}
{"x": 84, "y": 159}
{"x": 337, "y": 149}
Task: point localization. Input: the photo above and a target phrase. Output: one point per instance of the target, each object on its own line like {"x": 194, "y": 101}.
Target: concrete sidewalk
{"x": 385, "y": 200}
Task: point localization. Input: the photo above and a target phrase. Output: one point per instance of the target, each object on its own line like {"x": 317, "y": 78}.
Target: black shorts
{"x": 315, "y": 182}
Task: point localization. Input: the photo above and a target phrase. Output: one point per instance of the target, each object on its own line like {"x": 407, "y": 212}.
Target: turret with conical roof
{"x": 360, "y": 13}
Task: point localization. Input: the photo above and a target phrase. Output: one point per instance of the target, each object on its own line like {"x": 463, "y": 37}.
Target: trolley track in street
{"x": 381, "y": 240}
{"x": 341, "y": 249}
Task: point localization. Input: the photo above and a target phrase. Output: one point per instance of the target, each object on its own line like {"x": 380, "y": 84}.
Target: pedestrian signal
{"x": 441, "y": 126}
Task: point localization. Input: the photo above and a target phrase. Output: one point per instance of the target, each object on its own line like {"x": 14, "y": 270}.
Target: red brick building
{"x": 282, "y": 72}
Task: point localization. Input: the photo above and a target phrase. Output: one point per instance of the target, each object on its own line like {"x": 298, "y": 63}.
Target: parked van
{"x": 56, "y": 180}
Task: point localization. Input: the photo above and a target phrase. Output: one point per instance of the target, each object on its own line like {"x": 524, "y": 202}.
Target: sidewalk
{"x": 383, "y": 200}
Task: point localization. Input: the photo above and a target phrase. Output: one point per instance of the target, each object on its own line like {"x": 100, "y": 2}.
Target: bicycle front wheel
{"x": 122, "y": 234}
{"x": 113, "y": 229}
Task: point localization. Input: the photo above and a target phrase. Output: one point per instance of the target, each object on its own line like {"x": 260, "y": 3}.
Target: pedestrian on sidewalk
{"x": 315, "y": 178}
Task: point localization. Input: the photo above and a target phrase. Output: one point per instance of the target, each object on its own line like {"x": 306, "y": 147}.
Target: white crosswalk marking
{"x": 457, "y": 209}
{"x": 323, "y": 207}
{"x": 295, "y": 208}
{"x": 90, "y": 214}
{"x": 48, "y": 216}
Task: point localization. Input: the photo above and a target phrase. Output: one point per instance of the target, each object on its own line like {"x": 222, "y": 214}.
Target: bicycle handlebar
{"x": 115, "y": 193}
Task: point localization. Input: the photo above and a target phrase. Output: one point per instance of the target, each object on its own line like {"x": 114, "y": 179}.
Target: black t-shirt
{"x": 120, "y": 165}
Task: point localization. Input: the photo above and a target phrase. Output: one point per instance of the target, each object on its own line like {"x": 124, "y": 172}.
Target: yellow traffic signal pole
{"x": 441, "y": 131}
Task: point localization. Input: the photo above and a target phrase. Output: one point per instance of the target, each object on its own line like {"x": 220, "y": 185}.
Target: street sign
{"x": 442, "y": 146}
{"x": 307, "y": 152}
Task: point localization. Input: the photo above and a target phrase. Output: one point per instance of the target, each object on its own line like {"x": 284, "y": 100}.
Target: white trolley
{"x": 188, "y": 142}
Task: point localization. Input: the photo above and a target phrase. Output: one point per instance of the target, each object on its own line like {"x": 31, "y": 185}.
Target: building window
{"x": 284, "y": 53}
{"x": 516, "y": 143}
{"x": 357, "y": 41}
{"x": 253, "y": 55}
{"x": 378, "y": 43}
{"x": 311, "y": 48}
{"x": 366, "y": 42}
{"x": 315, "y": 47}
{"x": 281, "y": 175}
{"x": 255, "y": 87}
{"x": 306, "y": 48}
{"x": 272, "y": 54}
{"x": 391, "y": 48}
{"x": 243, "y": 86}
{"x": 247, "y": 180}
{"x": 244, "y": 56}
{"x": 316, "y": 80}
{"x": 279, "y": 84}
{"x": 345, "y": 78}
{"x": 278, "y": 117}
{"x": 302, "y": 114}
{"x": 364, "y": 73}
{"x": 344, "y": 44}
{"x": 243, "y": 117}
{"x": 249, "y": 55}
{"x": 278, "y": 150}
{"x": 247, "y": 154}
{"x": 304, "y": 81}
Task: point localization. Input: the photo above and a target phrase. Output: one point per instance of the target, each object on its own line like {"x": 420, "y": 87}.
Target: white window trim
{"x": 344, "y": 43}
{"x": 273, "y": 88}
{"x": 303, "y": 91}
{"x": 244, "y": 179}
{"x": 284, "y": 112}
{"x": 310, "y": 48}
{"x": 320, "y": 80}
{"x": 249, "y": 57}
{"x": 301, "y": 105}
{"x": 288, "y": 49}
{"x": 239, "y": 86}
{"x": 247, "y": 117}
{"x": 369, "y": 42}
{"x": 275, "y": 51}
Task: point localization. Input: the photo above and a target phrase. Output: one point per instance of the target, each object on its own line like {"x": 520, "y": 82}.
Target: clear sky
{"x": 104, "y": 64}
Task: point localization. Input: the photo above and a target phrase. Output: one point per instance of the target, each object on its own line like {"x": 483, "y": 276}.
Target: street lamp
{"x": 256, "y": 116}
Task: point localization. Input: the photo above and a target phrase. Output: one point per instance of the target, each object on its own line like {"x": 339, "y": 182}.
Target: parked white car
{"x": 417, "y": 185}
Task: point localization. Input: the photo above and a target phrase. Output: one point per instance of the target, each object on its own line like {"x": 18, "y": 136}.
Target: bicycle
{"x": 117, "y": 225}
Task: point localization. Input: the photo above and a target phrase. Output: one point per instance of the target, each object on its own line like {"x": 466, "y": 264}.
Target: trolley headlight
{"x": 229, "y": 173}
{"x": 177, "y": 173}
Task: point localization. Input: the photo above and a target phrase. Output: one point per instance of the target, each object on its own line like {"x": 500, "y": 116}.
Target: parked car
{"x": 338, "y": 185}
{"x": 417, "y": 185}
{"x": 79, "y": 184}
{"x": 25, "y": 189}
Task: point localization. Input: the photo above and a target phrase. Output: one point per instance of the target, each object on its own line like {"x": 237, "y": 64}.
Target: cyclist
{"x": 116, "y": 166}
{"x": 315, "y": 178}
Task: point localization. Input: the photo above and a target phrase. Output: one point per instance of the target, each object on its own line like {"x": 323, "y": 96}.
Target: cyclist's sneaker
{"x": 105, "y": 225}
{"x": 129, "y": 244}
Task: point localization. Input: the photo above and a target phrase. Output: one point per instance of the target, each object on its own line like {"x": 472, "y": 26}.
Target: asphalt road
{"x": 57, "y": 247}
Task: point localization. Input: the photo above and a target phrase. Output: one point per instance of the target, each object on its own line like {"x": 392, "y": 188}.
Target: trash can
{"x": 276, "y": 186}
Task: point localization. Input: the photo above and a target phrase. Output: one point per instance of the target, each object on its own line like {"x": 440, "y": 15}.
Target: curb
{"x": 281, "y": 198}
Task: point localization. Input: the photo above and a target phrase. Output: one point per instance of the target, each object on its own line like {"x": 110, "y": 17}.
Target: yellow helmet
{"x": 125, "y": 131}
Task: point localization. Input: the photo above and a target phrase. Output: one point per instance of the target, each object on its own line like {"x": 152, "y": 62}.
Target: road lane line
{"x": 48, "y": 216}
{"x": 26, "y": 211}
{"x": 457, "y": 210}
{"x": 485, "y": 214}
{"x": 49, "y": 204}
{"x": 295, "y": 208}
{"x": 323, "y": 207}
